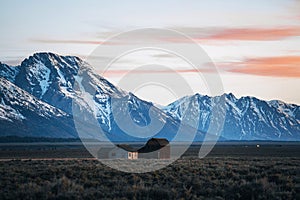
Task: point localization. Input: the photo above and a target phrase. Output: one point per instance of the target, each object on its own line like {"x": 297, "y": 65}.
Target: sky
{"x": 255, "y": 45}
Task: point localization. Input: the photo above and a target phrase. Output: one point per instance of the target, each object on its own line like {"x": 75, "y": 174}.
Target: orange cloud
{"x": 256, "y": 34}
{"x": 210, "y": 36}
{"x": 283, "y": 66}
{"x": 224, "y": 34}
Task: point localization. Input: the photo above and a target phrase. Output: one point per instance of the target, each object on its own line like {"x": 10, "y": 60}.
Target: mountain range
{"x": 38, "y": 98}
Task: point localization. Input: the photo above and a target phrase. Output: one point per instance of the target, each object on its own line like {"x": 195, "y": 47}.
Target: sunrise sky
{"x": 254, "y": 44}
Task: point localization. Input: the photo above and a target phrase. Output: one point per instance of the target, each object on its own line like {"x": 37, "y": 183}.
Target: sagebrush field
{"x": 189, "y": 178}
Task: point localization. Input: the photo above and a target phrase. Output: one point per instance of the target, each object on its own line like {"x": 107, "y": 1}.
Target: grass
{"x": 189, "y": 178}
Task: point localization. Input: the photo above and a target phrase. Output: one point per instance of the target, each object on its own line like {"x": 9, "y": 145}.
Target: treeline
{"x": 10, "y": 139}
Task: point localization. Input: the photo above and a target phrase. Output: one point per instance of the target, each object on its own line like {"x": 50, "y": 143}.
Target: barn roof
{"x": 158, "y": 141}
{"x": 153, "y": 144}
{"x": 127, "y": 147}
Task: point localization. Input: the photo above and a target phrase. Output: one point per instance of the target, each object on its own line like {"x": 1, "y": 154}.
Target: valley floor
{"x": 68, "y": 150}
{"x": 229, "y": 172}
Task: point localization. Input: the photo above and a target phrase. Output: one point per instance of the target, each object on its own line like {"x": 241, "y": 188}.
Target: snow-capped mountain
{"x": 38, "y": 98}
{"x": 247, "y": 118}
{"x": 60, "y": 80}
{"x": 51, "y": 78}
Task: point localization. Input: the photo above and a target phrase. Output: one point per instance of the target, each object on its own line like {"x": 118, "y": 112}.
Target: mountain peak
{"x": 197, "y": 95}
{"x": 49, "y": 78}
{"x": 53, "y": 55}
{"x": 231, "y": 96}
{"x": 246, "y": 118}
{"x": 53, "y": 59}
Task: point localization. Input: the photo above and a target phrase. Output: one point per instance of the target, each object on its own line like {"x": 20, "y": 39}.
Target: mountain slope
{"x": 51, "y": 78}
{"x": 22, "y": 114}
{"x": 8, "y": 72}
{"x": 61, "y": 80}
{"x": 62, "y": 88}
{"x": 247, "y": 118}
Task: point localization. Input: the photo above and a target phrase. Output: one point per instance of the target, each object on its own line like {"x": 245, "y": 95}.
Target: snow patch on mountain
{"x": 13, "y": 96}
{"x": 9, "y": 113}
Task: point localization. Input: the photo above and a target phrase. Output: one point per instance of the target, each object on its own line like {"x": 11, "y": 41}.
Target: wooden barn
{"x": 116, "y": 153}
{"x": 155, "y": 148}
{"x": 158, "y": 148}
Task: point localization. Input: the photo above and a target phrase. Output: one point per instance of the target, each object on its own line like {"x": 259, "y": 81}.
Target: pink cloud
{"x": 256, "y": 34}
{"x": 211, "y": 36}
{"x": 281, "y": 66}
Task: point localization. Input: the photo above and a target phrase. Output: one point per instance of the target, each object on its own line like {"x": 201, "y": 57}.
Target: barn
{"x": 155, "y": 148}
{"x": 116, "y": 153}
